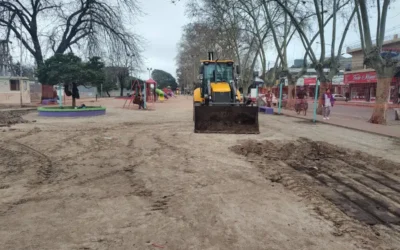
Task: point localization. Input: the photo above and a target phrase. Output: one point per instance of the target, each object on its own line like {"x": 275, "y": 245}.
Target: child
{"x": 327, "y": 103}
{"x": 141, "y": 102}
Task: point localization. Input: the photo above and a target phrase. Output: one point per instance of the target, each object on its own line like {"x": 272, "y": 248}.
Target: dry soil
{"x": 143, "y": 180}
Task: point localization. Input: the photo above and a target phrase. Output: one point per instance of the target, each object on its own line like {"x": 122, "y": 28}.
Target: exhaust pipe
{"x": 210, "y": 56}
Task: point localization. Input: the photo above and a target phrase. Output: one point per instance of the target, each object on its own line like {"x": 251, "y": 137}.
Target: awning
{"x": 258, "y": 80}
{"x": 151, "y": 81}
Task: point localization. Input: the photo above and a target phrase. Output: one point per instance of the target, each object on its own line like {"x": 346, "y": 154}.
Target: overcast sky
{"x": 161, "y": 26}
{"x": 162, "y": 23}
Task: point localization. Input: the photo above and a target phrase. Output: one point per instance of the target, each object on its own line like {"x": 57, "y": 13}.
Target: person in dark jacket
{"x": 347, "y": 96}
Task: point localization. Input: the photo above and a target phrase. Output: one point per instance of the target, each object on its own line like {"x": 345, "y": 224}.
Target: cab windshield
{"x": 220, "y": 72}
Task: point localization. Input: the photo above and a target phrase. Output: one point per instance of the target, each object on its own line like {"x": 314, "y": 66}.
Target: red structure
{"x": 137, "y": 87}
{"x": 151, "y": 92}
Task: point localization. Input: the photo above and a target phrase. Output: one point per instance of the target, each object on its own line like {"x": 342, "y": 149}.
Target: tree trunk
{"x": 121, "y": 85}
{"x": 73, "y": 102}
{"x": 108, "y": 94}
{"x": 381, "y": 101}
{"x": 291, "y": 97}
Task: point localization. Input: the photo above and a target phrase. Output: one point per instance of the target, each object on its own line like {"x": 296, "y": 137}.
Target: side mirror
{"x": 201, "y": 70}
{"x": 238, "y": 69}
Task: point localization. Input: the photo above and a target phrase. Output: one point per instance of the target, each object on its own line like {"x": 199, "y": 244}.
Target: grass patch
{"x": 70, "y": 109}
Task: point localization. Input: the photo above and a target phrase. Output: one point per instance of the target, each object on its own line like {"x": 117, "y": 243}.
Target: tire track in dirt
{"x": 177, "y": 150}
{"x": 302, "y": 186}
{"x": 138, "y": 185}
{"x": 45, "y": 172}
{"x": 365, "y": 207}
{"x": 338, "y": 175}
{"x": 8, "y": 207}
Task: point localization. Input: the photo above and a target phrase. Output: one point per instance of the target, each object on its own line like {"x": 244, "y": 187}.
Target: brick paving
{"x": 390, "y": 130}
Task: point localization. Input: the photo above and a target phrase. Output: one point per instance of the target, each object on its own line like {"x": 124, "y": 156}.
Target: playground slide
{"x": 159, "y": 92}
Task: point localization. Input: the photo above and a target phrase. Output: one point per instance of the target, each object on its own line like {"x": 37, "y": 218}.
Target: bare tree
{"x": 241, "y": 30}
{"x": 67, "y": 25}
{"x": 258, "y": 27}
{"x": 324, "y": 11}
{"x": 286, "y": 31}
{"x": 384, "y": 66}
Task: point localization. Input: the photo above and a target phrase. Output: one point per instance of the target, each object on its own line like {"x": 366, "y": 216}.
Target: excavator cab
{"x": 217, "y": 104}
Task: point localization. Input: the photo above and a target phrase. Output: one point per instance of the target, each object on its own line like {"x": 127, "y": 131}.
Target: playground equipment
{"x": 161, "y": 95}
{"x": 146, "y": 89}
{"x": 169, "y": 92}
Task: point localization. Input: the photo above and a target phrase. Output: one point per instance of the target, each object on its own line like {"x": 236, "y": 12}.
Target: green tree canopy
{"x": 164, "y": 79}
{"x": 68, "y": 69}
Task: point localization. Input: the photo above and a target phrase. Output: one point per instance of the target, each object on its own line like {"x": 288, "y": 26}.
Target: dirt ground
{"x": 8, "y": 118}
{"x": 143, "y": 180}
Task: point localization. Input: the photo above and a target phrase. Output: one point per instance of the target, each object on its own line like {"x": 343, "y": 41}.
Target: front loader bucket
{"x": 226, "y": 119}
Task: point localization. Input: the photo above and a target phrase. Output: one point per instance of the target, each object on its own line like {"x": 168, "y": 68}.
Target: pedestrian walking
{"x": 327, "y": 102}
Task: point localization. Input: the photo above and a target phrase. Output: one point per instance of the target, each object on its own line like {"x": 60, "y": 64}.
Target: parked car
{"x": 338, "y": 97}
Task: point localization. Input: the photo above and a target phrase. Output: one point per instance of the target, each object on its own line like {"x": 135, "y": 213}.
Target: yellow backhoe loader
{"x": 217, "y": 104}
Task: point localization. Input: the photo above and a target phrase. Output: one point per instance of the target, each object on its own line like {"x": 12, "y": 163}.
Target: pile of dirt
{"x": 8, "y": 118}
{"x": 308, "y": 154}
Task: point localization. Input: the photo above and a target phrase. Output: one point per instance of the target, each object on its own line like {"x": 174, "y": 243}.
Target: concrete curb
{"x": 365, "y": 105}
{"x": 340, "y": 126}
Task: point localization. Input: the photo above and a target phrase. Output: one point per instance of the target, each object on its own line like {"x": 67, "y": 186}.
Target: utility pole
{"x": 20, "y": 67}
{"x": 145, "y": 88}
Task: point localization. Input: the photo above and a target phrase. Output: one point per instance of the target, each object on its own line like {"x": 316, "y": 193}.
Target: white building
{"x": 14, "y": 90}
